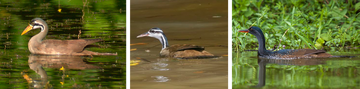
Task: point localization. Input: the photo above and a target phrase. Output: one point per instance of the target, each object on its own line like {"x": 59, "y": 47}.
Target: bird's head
{"x": 153, "y": 32}
{"x": 252, "y": 30}
{"x": 35, "y": 24}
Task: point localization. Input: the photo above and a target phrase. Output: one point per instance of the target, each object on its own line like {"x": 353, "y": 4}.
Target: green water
{"x": 249, "y": 72}
{"x": 95, "y": 19}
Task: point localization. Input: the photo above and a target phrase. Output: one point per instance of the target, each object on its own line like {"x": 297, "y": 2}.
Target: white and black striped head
{"x": 35, "y": 23}
{"x": 153, "y": 32}
{"x": 156, "y": 33}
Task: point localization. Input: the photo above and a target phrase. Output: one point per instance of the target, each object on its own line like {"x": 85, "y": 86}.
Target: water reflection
{"x": 262, "y": 66}
{"x": 37, "y": 62}
{"x": 161, "y": 64}
{"x": 198, "y": 22}
{"x": 38, "y": 68}
{"x": 160, "y": 78}
{"x": 56, "y": 61}
{"x": 67, "y": 20}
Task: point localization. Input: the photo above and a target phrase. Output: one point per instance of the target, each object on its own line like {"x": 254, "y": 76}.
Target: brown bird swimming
{"x": 184, "y": 51}
{"x": 37, "y": 45}
{"x": 285, "y": 53}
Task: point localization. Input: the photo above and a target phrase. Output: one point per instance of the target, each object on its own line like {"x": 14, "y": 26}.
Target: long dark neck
{"x": 261, "y": 40}
{"x": 262, "y": 73}
{"x": 163, "y": 41}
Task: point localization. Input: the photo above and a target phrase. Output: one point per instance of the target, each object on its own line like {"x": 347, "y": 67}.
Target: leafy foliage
{"x": 298, "y": 23}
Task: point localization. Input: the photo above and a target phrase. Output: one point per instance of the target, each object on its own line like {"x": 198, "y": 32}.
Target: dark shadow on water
{"x": 299, "y": 62}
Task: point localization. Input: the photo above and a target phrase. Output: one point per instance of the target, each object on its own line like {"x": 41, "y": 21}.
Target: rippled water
{"x": 202, "y": 23}
{"x": 250, "y": 72}
{"x": 67, "y": 19}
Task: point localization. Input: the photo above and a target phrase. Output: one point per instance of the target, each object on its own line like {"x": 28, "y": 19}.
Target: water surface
{"x": 202, "y": 23}
{"x": 250, "y": 72}
{"x": 67, "y": 19}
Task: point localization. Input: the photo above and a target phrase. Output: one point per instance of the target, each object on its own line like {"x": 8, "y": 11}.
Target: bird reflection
{"x": 262, "y": 66}
{"x": 37, "y": 62}
{"x": 161, "y": 64}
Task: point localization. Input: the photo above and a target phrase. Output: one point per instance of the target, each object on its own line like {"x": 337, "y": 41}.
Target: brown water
{"x": 95, "y": 19}
{"x": 203, "y": 23}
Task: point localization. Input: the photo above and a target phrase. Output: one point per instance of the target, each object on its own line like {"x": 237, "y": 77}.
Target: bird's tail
{"x": 199, "y": 57}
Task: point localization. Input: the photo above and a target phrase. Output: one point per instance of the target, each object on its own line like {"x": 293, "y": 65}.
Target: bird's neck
{"x": 262, "y": 49}
{"x": 163, "y": 40}
{"x": 41, "y": 35}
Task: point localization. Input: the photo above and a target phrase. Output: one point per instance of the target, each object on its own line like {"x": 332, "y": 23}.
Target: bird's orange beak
{"x": 28, "y": 28}
{"x": 244, "y": 31}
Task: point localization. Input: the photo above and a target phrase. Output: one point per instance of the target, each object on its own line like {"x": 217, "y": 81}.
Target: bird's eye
{"x": 36, "y": 24}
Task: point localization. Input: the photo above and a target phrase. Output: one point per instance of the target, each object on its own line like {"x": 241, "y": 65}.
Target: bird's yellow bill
{"x": 28, "y": 28}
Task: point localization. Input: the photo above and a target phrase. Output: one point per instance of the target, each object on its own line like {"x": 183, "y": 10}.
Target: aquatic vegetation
{"x": 78, "y": 19}
{"x": 297, "y": 24}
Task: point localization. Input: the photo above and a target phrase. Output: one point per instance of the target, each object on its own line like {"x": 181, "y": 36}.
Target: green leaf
{"x": 320, "y": 41}
{"x": 303, "y": 39}
{"x": 326, "y": 37}
{"x": 338, "y": 13}
{"x": 248, "y": 13}
{"x": 357, "y": 6}
{"x": 235, "y": 12}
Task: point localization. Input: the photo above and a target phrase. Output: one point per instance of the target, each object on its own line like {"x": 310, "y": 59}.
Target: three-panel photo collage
{"x": 180, "y": 44}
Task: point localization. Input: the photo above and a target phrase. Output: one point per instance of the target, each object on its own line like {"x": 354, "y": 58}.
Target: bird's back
{"x": 63, "y": 47}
